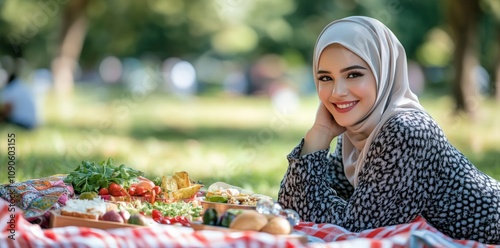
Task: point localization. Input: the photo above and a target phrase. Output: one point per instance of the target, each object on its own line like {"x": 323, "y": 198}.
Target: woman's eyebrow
{"x": 342, "y": 70}
{"x": 352, "y": 67}
{"x": 322, "y": 72}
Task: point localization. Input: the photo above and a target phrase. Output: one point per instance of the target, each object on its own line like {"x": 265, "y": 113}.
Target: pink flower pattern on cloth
{"x": 36, "y": 197}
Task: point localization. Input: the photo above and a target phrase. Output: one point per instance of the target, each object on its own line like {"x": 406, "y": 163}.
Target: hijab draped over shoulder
{"x": 373, "y": 42}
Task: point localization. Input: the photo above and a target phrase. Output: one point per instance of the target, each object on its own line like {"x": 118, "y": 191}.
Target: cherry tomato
{"x": 181, "y": 220}
{"x": 139, "y": 191}
{"x": 156, "y": 214}
{"x": 119, "y": 193}
{"x": 131, "y": 190}
{"x": 103, "y": 191}
{"x": 165, "y": 221}
{"x": 115, "y": 189}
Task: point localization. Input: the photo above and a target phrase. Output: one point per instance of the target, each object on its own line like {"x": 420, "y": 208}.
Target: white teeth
{"x": 343, "y": 106}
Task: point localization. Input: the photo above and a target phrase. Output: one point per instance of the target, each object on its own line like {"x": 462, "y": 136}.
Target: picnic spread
{"x": 103, "y": 205}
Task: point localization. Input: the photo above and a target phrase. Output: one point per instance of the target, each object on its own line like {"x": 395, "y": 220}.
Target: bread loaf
{"x": 249, "y": 220}
{"x": 277, "y": 225}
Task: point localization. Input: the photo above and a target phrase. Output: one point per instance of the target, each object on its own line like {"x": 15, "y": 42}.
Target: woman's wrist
{"x": 316, "y": 139}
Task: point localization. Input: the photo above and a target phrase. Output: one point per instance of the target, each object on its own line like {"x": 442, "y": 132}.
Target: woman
{"x": 392, "y": 162}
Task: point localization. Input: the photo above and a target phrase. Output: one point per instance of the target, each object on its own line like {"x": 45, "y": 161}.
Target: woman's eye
{"x": 354, "y": 75}
{"x": 324, "y": 78}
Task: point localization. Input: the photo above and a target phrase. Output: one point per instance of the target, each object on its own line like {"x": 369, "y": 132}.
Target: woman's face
{"x": 346, "y": 85}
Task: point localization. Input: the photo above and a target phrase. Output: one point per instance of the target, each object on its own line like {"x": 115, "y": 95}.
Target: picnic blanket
{"x": 18, "y": 232}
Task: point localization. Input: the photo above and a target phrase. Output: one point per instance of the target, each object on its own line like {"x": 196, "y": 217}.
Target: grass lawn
{"x": 239, "y": 140}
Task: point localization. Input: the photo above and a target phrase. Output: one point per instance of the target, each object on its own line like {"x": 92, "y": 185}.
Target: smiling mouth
{"x": 345, "y": 107}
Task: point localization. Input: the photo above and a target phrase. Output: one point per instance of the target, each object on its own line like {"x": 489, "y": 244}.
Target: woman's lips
{"x": 343, "y": 107}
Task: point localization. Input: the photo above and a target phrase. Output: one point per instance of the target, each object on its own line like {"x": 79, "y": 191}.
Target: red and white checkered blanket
{"x": 18, "y": 232}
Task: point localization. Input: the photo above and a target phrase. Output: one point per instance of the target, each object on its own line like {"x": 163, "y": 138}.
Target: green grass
{"x": 238, "y": 140}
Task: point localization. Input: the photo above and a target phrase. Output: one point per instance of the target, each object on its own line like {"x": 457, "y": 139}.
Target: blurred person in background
{"x": 392, "y": 163}
{"x": 17, "y": 104}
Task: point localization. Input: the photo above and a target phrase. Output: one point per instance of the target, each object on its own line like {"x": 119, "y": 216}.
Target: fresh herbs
{"x": 91, "y": 176}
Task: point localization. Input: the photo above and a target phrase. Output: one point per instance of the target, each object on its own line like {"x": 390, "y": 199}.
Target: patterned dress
{"x": 411, "y": 170}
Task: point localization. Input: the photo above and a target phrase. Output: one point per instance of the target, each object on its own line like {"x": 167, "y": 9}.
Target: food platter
{"x": 222, "y": 207}
{"x": 300, "y": 236}
{"x": 58, "y": 220}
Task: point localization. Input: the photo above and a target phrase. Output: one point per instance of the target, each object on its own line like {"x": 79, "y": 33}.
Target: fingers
{"x": 326, "y": 120}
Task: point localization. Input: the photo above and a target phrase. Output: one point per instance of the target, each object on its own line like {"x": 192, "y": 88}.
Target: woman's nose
{"x": 339, "y": 89}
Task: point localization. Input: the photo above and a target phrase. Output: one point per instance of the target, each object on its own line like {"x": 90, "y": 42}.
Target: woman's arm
{"x": 332, "y": 177}
{"x": 321, "y": 134}
{"x": 393, "y": 187}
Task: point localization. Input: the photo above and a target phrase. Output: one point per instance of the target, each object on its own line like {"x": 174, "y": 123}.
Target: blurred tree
{"x": 463, "y": 19}
{"x": 25, "y": 25}
{"x": 493, "y": 7}
{"x": 72, "y": 35}
{"x": 497, "y": 63}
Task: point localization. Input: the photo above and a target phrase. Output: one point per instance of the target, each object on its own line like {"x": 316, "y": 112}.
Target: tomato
{"x": 139, "y": 191}
{"x": 150, "y": 195}
{"x": 165, "y": 221}
{"x": 115, "y": 189}
{"x": 157, "y": 189}
{"x": 158, "y": 220}
{"x": 181, "y": 219}
{"x": 103, "y": 191}
{"x": 156, "y": 214}
{"x": 131, "y": 190}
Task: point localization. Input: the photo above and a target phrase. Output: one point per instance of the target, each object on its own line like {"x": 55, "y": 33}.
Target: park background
{"x": 223, "y": 89}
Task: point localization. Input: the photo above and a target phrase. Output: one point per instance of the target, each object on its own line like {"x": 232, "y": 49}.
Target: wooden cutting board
{"x": 58, "y": 220}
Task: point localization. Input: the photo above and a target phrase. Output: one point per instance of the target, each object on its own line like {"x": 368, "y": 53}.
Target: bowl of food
{"x": 221, "y": 197}
{"x": 223, "y": 207}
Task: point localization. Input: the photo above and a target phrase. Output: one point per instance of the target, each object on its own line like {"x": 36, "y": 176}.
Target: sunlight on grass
{"x": 242, "y": 141}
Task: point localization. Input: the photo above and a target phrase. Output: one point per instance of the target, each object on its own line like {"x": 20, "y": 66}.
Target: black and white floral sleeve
{"x": 309, "y": 181}
{"x": 332, "y": 163}
{"x": 393, "y": 187}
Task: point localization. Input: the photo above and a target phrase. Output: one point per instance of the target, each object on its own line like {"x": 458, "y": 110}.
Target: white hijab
{"x": 373, "y": 42}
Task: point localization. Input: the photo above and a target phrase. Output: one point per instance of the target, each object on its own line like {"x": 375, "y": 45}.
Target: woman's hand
{"x": 323, "y": 131}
